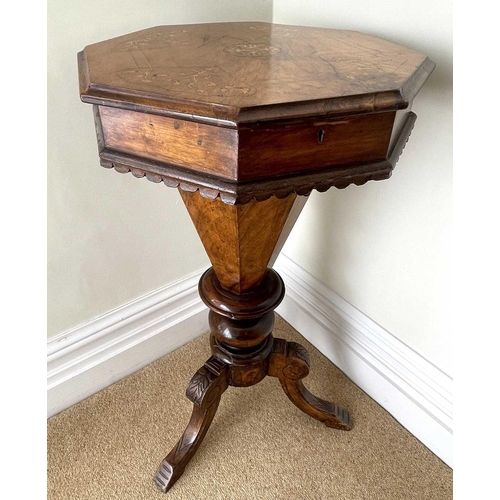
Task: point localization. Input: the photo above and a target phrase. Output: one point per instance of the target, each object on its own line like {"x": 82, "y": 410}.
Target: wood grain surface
{"x": 268, "y": 150}
{"x": 202, "y": 147}
{"x": 263, "y": 151}
{"x": 239, "y": 72}
{"x": 239, "y": 193}
{"x": 239, "y": 239}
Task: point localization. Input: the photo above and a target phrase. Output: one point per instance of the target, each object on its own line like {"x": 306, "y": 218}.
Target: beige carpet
{"x": 260, "y": 446}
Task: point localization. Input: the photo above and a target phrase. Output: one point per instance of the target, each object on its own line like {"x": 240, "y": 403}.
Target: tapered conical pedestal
{"x": 242, "y": 240}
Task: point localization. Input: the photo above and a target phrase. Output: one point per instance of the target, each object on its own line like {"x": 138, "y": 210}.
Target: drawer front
{"x": 205, "y": 148}
{"x": 267, "y": 151}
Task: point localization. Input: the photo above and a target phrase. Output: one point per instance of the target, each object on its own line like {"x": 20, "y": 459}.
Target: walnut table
{"x": 245, "y": 119}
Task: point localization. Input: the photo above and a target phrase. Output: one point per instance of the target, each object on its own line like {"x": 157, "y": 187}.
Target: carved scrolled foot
{"x": 204, "y": 390}
{"x": 289, "y": 362}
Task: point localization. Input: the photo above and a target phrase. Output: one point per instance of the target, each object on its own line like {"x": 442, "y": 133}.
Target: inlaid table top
{"x": 250, "y": 110}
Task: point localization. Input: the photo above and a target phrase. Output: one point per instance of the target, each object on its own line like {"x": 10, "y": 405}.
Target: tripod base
{"x": 287, "y": 361}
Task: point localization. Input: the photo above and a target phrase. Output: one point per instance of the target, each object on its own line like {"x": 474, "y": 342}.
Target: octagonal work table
{"x": 245, "y": 119}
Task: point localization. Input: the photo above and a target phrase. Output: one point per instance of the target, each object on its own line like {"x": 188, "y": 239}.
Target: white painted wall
{"x": 385, "y": 247}
{"x": 111, "y": 238}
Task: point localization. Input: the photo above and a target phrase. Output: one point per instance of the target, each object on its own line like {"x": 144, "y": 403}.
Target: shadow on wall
{"x": 381, "y": 246}
{"x": 344, "y": 219}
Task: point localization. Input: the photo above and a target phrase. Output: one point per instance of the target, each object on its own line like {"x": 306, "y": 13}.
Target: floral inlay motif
{"x": 252, "y": 50}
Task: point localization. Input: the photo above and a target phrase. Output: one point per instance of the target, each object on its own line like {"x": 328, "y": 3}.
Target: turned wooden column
{"x": 246, "y": 119}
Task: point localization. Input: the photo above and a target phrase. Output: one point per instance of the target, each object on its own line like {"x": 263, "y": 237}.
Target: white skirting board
{"x": 88, "y": 358}
{"x": 411, "y": 389}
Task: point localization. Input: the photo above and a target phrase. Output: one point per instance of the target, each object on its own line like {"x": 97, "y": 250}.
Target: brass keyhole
{"x": 321, "y": 135}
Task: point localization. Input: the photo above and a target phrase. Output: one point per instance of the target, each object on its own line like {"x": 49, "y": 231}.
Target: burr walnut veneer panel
{"x": 239, "y": 239}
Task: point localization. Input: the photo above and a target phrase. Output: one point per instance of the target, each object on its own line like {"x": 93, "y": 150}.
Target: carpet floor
{"x": 260, "y": 446}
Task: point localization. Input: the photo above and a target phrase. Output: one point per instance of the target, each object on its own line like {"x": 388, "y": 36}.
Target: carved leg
{"x": 204, "y": 390}
{"x": 289, "y": 362}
